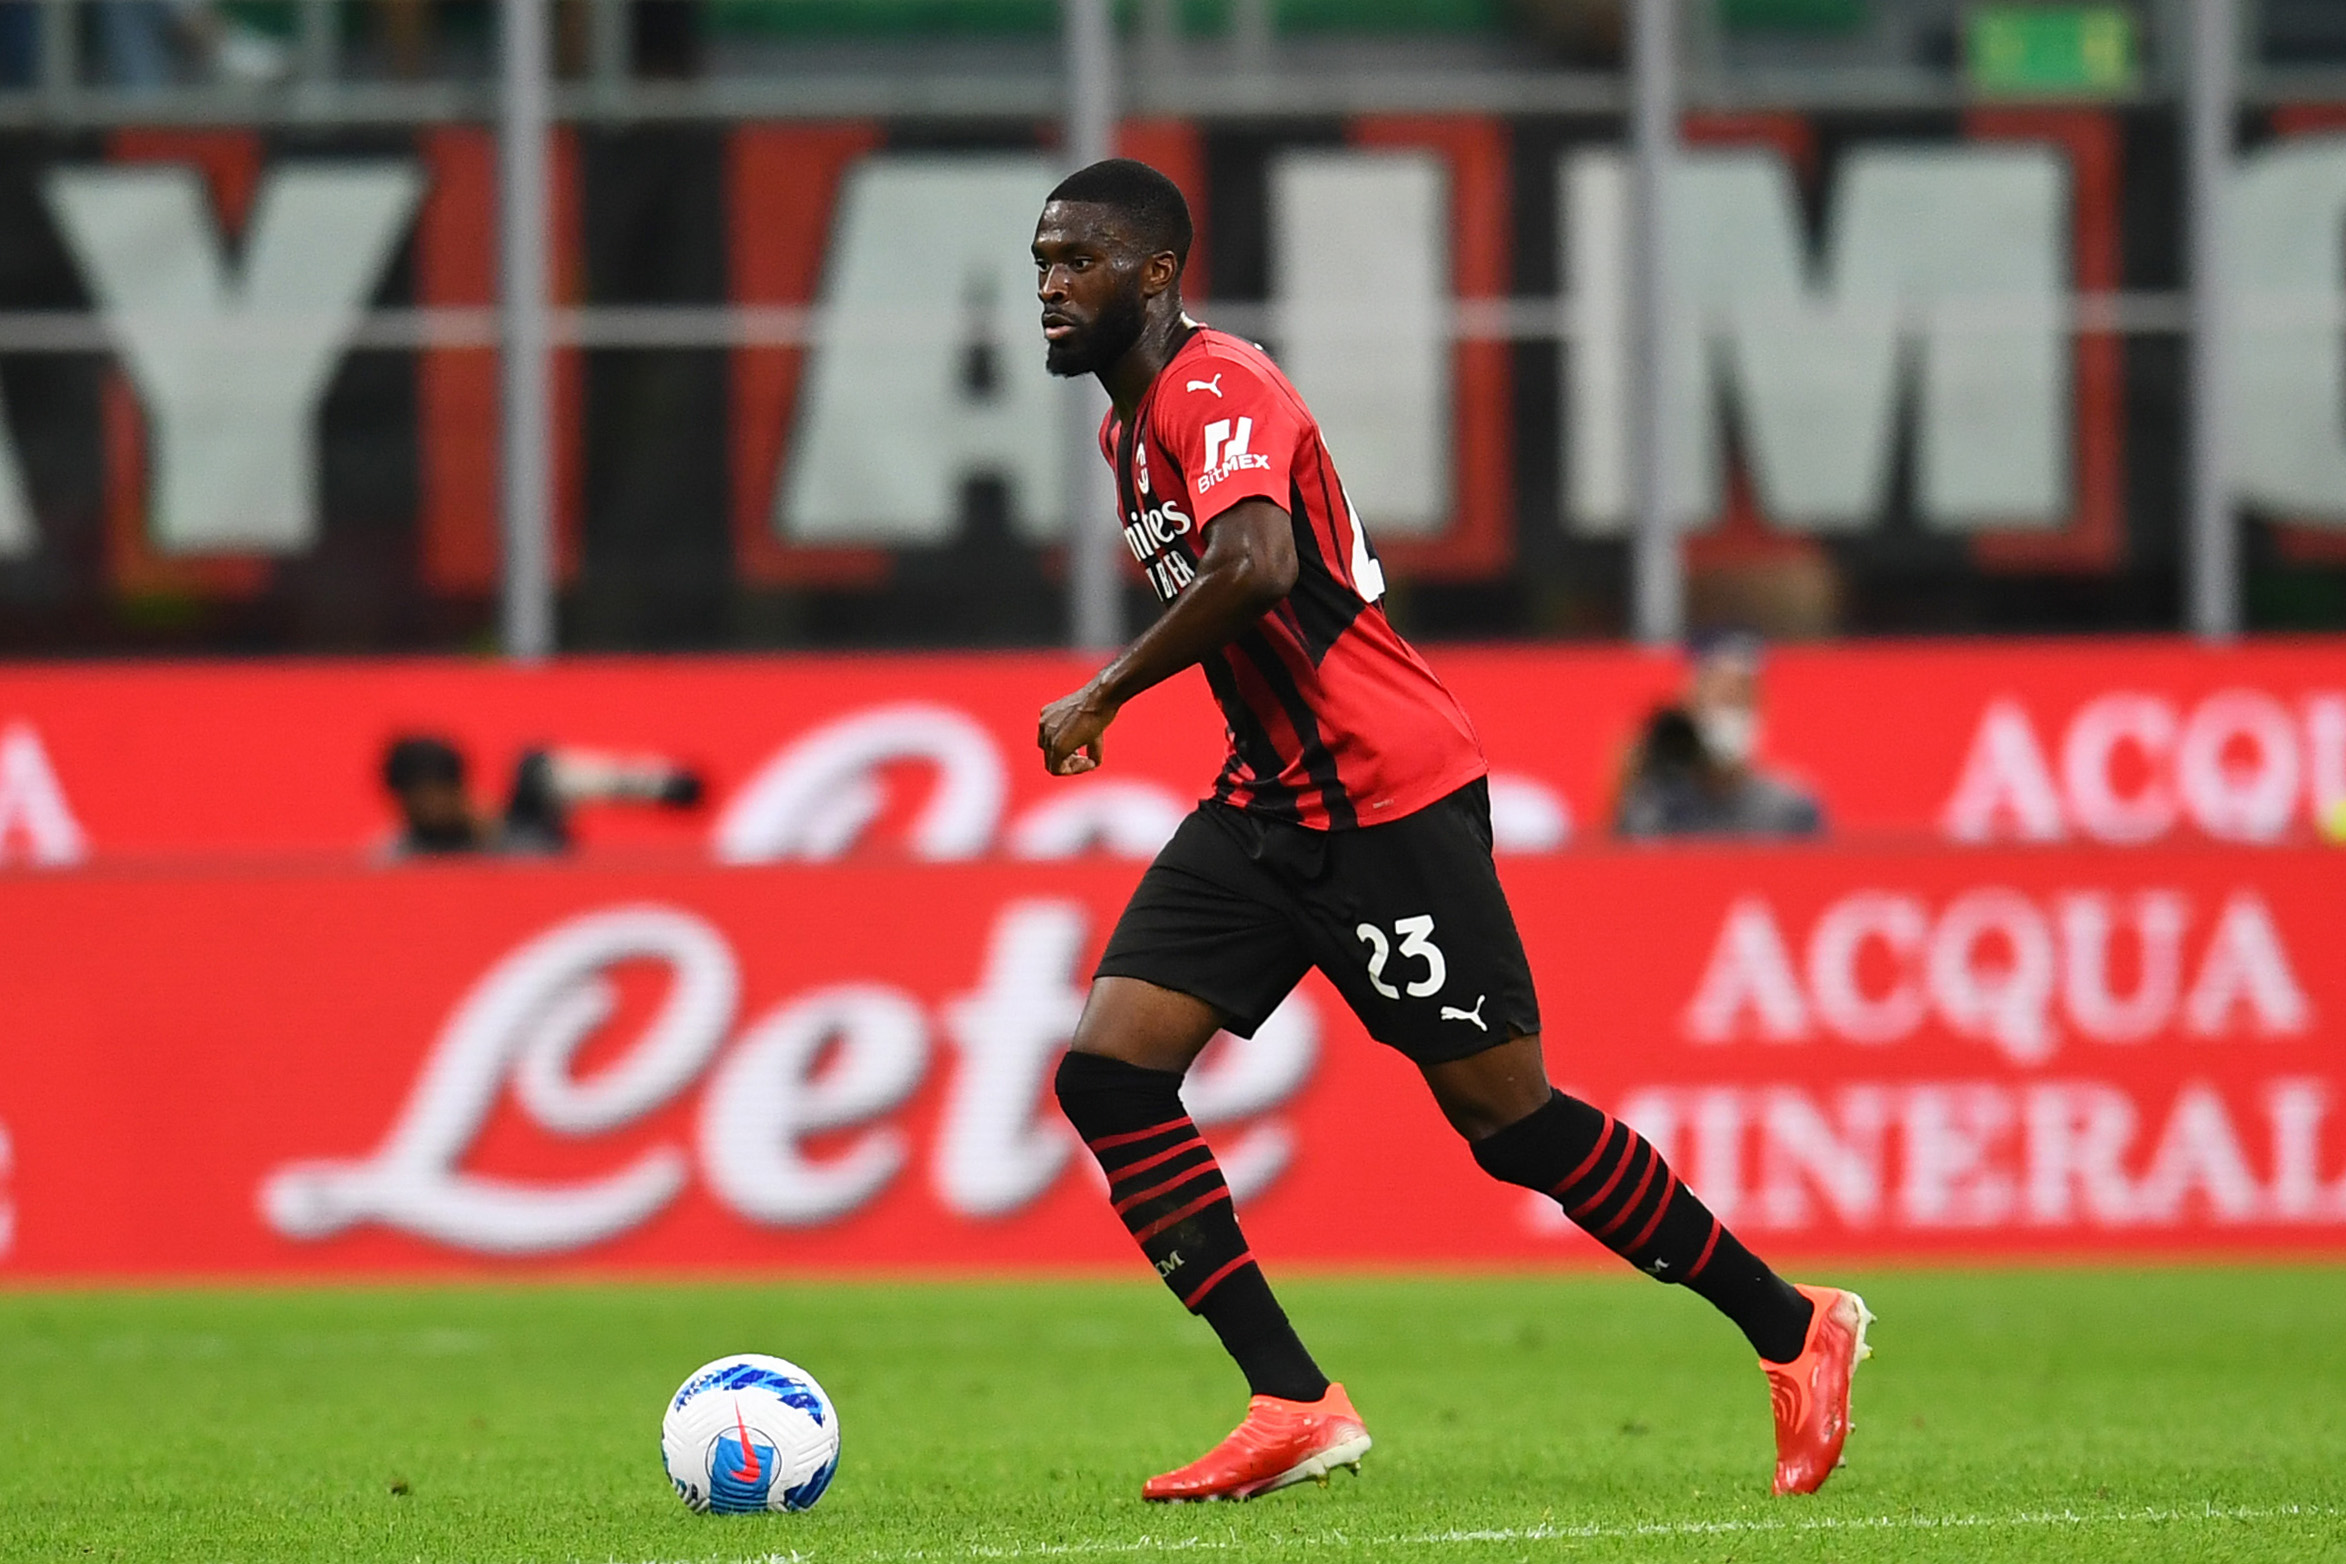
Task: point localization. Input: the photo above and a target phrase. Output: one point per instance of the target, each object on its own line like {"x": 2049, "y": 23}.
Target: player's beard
{"x": 1108, "y": 338}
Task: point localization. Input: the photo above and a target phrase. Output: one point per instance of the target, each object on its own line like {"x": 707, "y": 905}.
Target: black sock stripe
{"x": 1132, "y": 1170}
{"x": 1709, "y": 1245}
{"x": 1670, "y": 1188}
{"x": 1107, "y": 1143}
{"x": 1197, "y": 1295}
{"x": 1220, "y": 1191}
{"x": 1653, "y": 1164}
{"x": 1178, "y": 1182}
{"x": 1631, "y": 1140}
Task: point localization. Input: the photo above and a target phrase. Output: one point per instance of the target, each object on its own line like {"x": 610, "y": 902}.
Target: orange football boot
{"x": 1811, "y": 1393}
{"x": 1280, "y": 1442}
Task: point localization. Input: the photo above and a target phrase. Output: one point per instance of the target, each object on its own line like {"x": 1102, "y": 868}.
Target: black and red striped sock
{"x": 1613, "y": 1183}
{"x": 1168, "y": 1191}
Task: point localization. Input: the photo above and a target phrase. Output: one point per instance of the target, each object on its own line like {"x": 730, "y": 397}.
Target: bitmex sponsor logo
{"x": 794, "y": 1128}
{"x": 1227, "y": 452}
{"x": 1939, "y": 1155}
{"x": 2016, "y": 972}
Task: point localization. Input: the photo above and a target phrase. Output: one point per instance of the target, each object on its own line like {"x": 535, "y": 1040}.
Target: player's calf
{"x": 1613, "y": 1183}
{"x": 1166, "y": 1187}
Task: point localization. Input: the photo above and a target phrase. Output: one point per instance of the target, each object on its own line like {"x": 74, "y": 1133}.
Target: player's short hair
{"x": 421, "y": 758}
{"x": 1151, "y": 205}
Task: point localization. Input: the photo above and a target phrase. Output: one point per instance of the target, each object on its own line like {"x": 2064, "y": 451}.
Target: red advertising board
{"x": 2118, "y": 742}
{"x": 335, "y": 1070}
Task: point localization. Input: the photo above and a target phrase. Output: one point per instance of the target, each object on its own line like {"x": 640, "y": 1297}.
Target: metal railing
{"x": 1248, "y": 75}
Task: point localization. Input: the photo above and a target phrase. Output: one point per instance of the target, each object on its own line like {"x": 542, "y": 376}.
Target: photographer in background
{"x": 1692, "y": 772}
{"x": 425, "y": 774}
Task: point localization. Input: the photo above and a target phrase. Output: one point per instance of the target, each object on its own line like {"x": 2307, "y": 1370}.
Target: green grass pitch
{"x": 2091, "y": 1415}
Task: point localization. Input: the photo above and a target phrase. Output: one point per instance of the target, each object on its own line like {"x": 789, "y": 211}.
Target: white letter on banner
{"x": 526, "y": 1020}
{"x": 2087, "y": 921}
{"x": 817, "y": 796}
{"x": 1840, "y": 1155}
{"x": 903, "y": 407}
{"x": 1749, "y": 969}
{"x": 1902, "y": 925}
{"x": 1592, "y": 203}
{"x": 1118, "y": 816}
{"x": 2078, "y": 1137}
{"x": 231, "y": 368}
{"x": 32, "y": 802}
{"x": 1360, "y": 272}
{"x": 1955, "y": 1175}
{"x": 2297, "y": 1106}
{"x": 2008, "y": 1000}
{"x": 2006, "y": 788}
{"x": 2246, "y": 963}
{"x": 1959, "y": 252}
{"x": 2286, "y": 245}
{"x": 767, "y": 1097}
{"x": 2198, "y": 1151}
{"x": 2254, "y": 802}
{"x": 2124, "y": 717}
{"x": 1715, "y": 1120}
{"x": 995, "y": 1151}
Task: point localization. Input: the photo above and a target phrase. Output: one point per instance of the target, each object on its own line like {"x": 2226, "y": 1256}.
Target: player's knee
{"x": 1076, "y": 1081}
{"x": 1532, "y": 1150}
{"x": 1486, "y": 1093}
{"x": 1089, "y": 1086}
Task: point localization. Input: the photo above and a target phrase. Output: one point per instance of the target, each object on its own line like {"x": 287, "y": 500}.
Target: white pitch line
{"x": 2022, "y": 1520}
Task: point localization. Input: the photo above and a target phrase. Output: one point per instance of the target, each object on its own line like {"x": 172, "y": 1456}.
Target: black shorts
{"x": 1406, "y": 918}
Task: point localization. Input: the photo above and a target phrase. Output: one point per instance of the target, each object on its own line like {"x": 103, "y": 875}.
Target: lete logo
{"x": 831, "y": 1063}
{"x": 1996, "y": 965}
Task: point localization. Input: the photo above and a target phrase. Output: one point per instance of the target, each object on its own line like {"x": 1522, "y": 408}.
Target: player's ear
{"x": 1161, "y": 273}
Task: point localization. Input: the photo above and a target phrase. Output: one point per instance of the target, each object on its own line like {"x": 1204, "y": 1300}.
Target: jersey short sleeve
{"x": 1233, "y": 431}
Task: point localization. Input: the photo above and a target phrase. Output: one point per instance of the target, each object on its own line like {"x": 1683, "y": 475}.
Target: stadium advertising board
{"x": 931, "y": 758}
{"x": 1937, "y": 355}
{"x": 805, "y": 1068}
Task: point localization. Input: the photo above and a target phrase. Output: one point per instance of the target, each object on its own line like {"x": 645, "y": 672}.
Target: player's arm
{"x": 1248, "y": 566}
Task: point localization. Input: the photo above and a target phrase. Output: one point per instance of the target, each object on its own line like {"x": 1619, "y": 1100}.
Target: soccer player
{"x": 1349, "y": 830}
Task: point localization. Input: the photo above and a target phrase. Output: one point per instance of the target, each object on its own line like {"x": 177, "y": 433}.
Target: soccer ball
{"x": 749, "y": 1433}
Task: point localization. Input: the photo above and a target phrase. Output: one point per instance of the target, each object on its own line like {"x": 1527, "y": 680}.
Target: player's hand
{"x": 1070, "y": 730}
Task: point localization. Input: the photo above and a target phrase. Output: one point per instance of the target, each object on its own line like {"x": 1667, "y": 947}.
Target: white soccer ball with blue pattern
{"x": 750, "y": 1433}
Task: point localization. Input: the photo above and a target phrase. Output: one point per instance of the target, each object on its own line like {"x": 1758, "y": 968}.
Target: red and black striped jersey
{"x": 1334, "y": 721}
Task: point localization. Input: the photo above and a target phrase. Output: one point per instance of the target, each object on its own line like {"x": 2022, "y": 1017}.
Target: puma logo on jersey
{"x": 1227, "y": 453}
{"x": 1214, "y": 385}
{"x": 1453, "y": 1013}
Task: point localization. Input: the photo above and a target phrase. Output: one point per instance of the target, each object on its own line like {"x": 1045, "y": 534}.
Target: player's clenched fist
{"x": 1070, "y": 732}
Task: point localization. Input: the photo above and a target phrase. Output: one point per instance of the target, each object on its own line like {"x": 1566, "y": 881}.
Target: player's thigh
{"x": 1206, "y": 926}
{"x": 1412, "y": 926}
